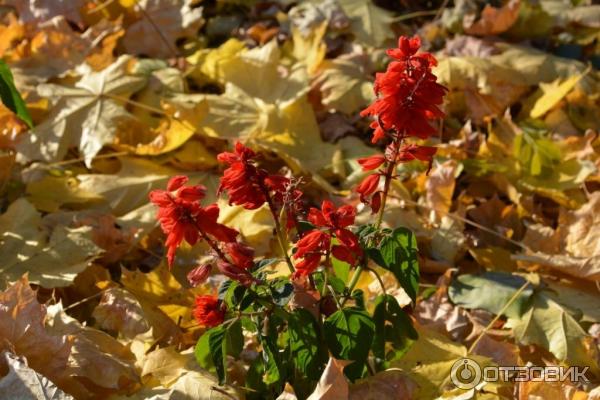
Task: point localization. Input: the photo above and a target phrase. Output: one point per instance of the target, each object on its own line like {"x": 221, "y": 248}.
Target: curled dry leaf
{"x": 333, "y": 384}
{"x": 24, "y": 383}
{"x": 81, "y": 361}
{"x": 119, "y": 311}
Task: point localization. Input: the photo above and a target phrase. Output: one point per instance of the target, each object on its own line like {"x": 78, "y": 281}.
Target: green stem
{"x": 279, "y": 231}
{"x": 389, "y": 175}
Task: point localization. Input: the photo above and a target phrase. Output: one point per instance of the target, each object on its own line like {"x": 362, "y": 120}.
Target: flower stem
{"x": 389, "y": 175}
{"x": 213, "y": 245}
{"x": 279, "y": 231}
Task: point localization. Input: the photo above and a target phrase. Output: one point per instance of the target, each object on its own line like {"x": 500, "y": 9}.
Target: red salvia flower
{"x": 245, "y": 183}
{"x": 183, "y": 218}
{"x": 199, "y": 274}
{"x": 328, "y": 222}
{"x": 235, "y": 272}
{"x": 368, "y": 186}
{"x": 408, "y": 96}
{"x": 209, "y": 311}
{"x": 372, "y": 162}
{"x": 415, "y": 152}
{"x": 241, "y": 254}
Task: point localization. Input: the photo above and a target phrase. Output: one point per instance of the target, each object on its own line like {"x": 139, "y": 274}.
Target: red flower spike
{"x": 311, "y": 242}
{"x": 408, "y": 96}
{"x": 246, "y": 184}
{"x": 371, "y": 163}
{"x": 182, "y": 217}
{"x": 199, "y": 275}
{"x": 307, "y": 266}
{"x": 209, "y": 311}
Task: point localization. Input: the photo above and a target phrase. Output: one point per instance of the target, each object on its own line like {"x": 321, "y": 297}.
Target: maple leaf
{"x": 275, "y": 117}
{"x": 84, "y": 115}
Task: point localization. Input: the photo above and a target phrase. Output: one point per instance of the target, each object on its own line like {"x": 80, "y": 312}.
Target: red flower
{"x": 199, "y": 274}
{"x": 314, "y": 241}
{"x": 416, "y": 152}
{"x": 182, "y": 217}
{"x": 209, "y": 311}
{"x": 368, "y": 186}
{"x": 245, "y": 183}
{"x": 240, "y": 254}
{"x": 408, "y": 96}
{"x": 329, "y": 222}
{"x": 372, "y": 162}
{"x": 234, "y": 272}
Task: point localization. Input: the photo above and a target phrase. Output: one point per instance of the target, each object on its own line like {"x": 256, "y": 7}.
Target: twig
{"x": 497, "y": 317}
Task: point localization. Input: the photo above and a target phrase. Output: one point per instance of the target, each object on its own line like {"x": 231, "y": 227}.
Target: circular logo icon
{"x": 465, "y": 374}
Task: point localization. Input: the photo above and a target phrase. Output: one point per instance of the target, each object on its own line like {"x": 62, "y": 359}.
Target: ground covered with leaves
{"x": 121, "y": 95}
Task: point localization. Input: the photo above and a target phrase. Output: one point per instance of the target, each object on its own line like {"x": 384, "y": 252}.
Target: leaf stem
{"x": 497, "y": 317}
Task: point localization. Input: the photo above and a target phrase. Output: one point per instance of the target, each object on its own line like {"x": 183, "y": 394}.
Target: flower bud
{"x": 199, "y": 274}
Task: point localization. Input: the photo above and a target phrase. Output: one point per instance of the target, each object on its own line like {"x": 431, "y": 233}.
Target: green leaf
{"x": 272, "y": 373}
{"x": 11, "y": 97}
{"x": 349, "y": 333}
{"x": 282, "y": 292}
{"x": 550, "y": 325}
{"x": 234, "y": 339}
{"x": 203, "y": 355}
{"x": 397, "y": 252}
{"x": 392, "y": 325}
{"x": 490, "y": 291}
{"x": 305, "y": 344}
{"x": 217, "y": 346}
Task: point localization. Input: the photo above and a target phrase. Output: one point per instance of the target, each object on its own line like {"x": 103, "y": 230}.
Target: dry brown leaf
{"x": 160, "y": 23}
{"x": 81, "y": 361}
{"x": 333, "y": 384}
{"x": 493, "y": 20}
{"x": 24, "y": 383}
{"x": 23, "y": 333}
{"x": 96, "y": 358}
{"x": 392, "y": 384}
{"x": 440, "y": 186}
{"x": 119, "y": 311}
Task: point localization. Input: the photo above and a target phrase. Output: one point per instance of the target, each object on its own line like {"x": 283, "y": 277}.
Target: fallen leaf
{"x": 24, "y": 383}
{"x": 370, "y": 24}
{"x": 160, "y": 23}
{"x": 552, "y": 93}
{"x": 494, "y": 20}
{"x": 43, "y": 10}
{"x": 89, "y": 105}
{"x": 65, "y": 352}
{"x": 392, "y": 384}
{"x": 333, "y": 384}
{"x": 119, "y": 311}
{"x": 53, "y": 259}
